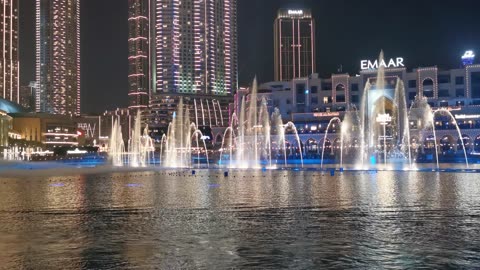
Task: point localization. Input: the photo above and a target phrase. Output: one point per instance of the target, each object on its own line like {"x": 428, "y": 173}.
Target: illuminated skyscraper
{"x": 9, "y": 64}
{"x": 138, "y": 53}
{"x": 194, "y": 56}
{"x": 294, "y": 43}
{"x": 58, "y": 56}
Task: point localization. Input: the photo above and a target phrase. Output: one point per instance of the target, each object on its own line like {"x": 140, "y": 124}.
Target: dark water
{"x": 273, "y": 220}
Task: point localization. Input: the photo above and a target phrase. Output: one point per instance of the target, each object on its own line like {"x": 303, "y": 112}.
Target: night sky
{"x": 424, "y": 32}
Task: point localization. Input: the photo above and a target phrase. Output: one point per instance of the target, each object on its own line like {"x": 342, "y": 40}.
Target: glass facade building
{"x": 58, "y": 56}
{"x": 294, "y": 44}
{"x": 138, "y": 54}
{"x": 192, "y": 54}
{"x": 9, "y": 60}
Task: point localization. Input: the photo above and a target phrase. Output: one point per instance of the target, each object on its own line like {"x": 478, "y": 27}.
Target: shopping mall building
{"x": 312, "y": 102}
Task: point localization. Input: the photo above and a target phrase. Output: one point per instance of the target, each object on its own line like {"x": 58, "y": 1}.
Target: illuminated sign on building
{"x": 468, "y": 58}
{"x": 384, "y": 118}
{"x": 88, "y": 128}
{"x": 326, "y": 114}
{"x": 295, "y": 12}
{"x": 392, "y": 63}
{"x": 464, "y": 116}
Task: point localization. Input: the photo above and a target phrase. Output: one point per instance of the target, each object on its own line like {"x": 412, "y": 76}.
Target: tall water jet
{"x": 380, "y": 84}
{"x": 240, "y": 155}
{"x": 265, "y": 123}
{"x": 402, "y": 110}
{"x": 247, "y": 143}
{"x": 134, "y": 142}
{"x": 140, "y": 145}
{"x": 116, "y": 145}
{"x": 277, "y": 122}
{"x": 178, "y": 143}
{"x": 435, "y": 139}
{"x": 252, "y": 123}
{"x": 364, "y": 145}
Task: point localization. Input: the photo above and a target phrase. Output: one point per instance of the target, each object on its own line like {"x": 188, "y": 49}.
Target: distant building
{"x": 46, "y": 129}
{"x": 138, "y": 54}
{"x": 6, "y": 122}
{"x": 294, "y": 44}
{"x": 9, "y": 53}
{"x": 194, "y": 57}
{"x": 58, "y": 56}
{"x": 311, "y": 102}
{"x": 5, "y": 129}
{"x": 123, "y": 116}
{"x": 27, "y": 96}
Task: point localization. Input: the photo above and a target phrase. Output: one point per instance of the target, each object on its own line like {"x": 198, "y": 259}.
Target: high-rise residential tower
{"x": 58, "y": 56}
{"x": 9, "y": 63}
{"x": 138, "y": 54}
{"x": 294, "y": 44}
{"x": 194, "y": 56}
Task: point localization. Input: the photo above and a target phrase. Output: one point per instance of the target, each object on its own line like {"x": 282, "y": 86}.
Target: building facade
{"x": 194, "y": 57}
{"x": 46, "y": 129}
{"x": 9, "y": 58}
{"x": 27, "y": 96}
{"x": 138, "y": 54}
{"x": 125, "y": 118}
{"x": 5, "y": 129}
{"x": 294, "y": 44}
{"x": 453, "y": 95}
{"x": 58, "y": 56}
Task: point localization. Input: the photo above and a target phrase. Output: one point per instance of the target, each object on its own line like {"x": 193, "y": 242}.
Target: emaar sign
{"x": 295, "y": 12}
{"x": 392, "y": 63}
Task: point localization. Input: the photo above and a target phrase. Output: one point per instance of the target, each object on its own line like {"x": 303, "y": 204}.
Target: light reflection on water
{"x": 251, "y": 219}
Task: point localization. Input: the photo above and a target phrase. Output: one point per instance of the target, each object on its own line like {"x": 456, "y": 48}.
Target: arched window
{"x": 428, "y": 87}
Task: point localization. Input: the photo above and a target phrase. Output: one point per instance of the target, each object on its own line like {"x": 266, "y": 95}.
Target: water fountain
{"x": 384, "y": 116}
{"x": 176, "y": 146}
{"x": 335, "y": 119}
{"x": 117, "y": 145}
{"x": 379, "y": 130}
{"x": 140, "y": 146}
{"x": 253, "y": 140}
{"x": 447, "y": 112}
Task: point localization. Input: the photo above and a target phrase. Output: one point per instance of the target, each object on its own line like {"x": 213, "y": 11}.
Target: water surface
{"x": 250, "y": 219}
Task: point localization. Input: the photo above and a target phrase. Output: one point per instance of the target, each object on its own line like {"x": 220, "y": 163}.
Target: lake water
{"x": 250, "y": 219}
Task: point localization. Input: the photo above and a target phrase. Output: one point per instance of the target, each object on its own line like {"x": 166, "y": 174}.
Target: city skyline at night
{"x": 239, "y": 134}
{"x": 340, "y": 40}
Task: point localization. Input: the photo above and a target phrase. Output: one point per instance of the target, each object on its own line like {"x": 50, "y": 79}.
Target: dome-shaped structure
{"x": 10, "y": 107}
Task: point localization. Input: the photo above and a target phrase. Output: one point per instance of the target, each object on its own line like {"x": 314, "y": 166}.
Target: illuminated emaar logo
{"x": 468, "y": 58}
{"x": 295, "y": 12}
{"x": 392, "y": 63}
{"x": 468, "y": 54}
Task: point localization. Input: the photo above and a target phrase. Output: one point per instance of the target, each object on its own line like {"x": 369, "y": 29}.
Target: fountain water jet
{"x": 445, "y": 111}
{"x": 140, "y": 145}
{"x": 335, "y": 119}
